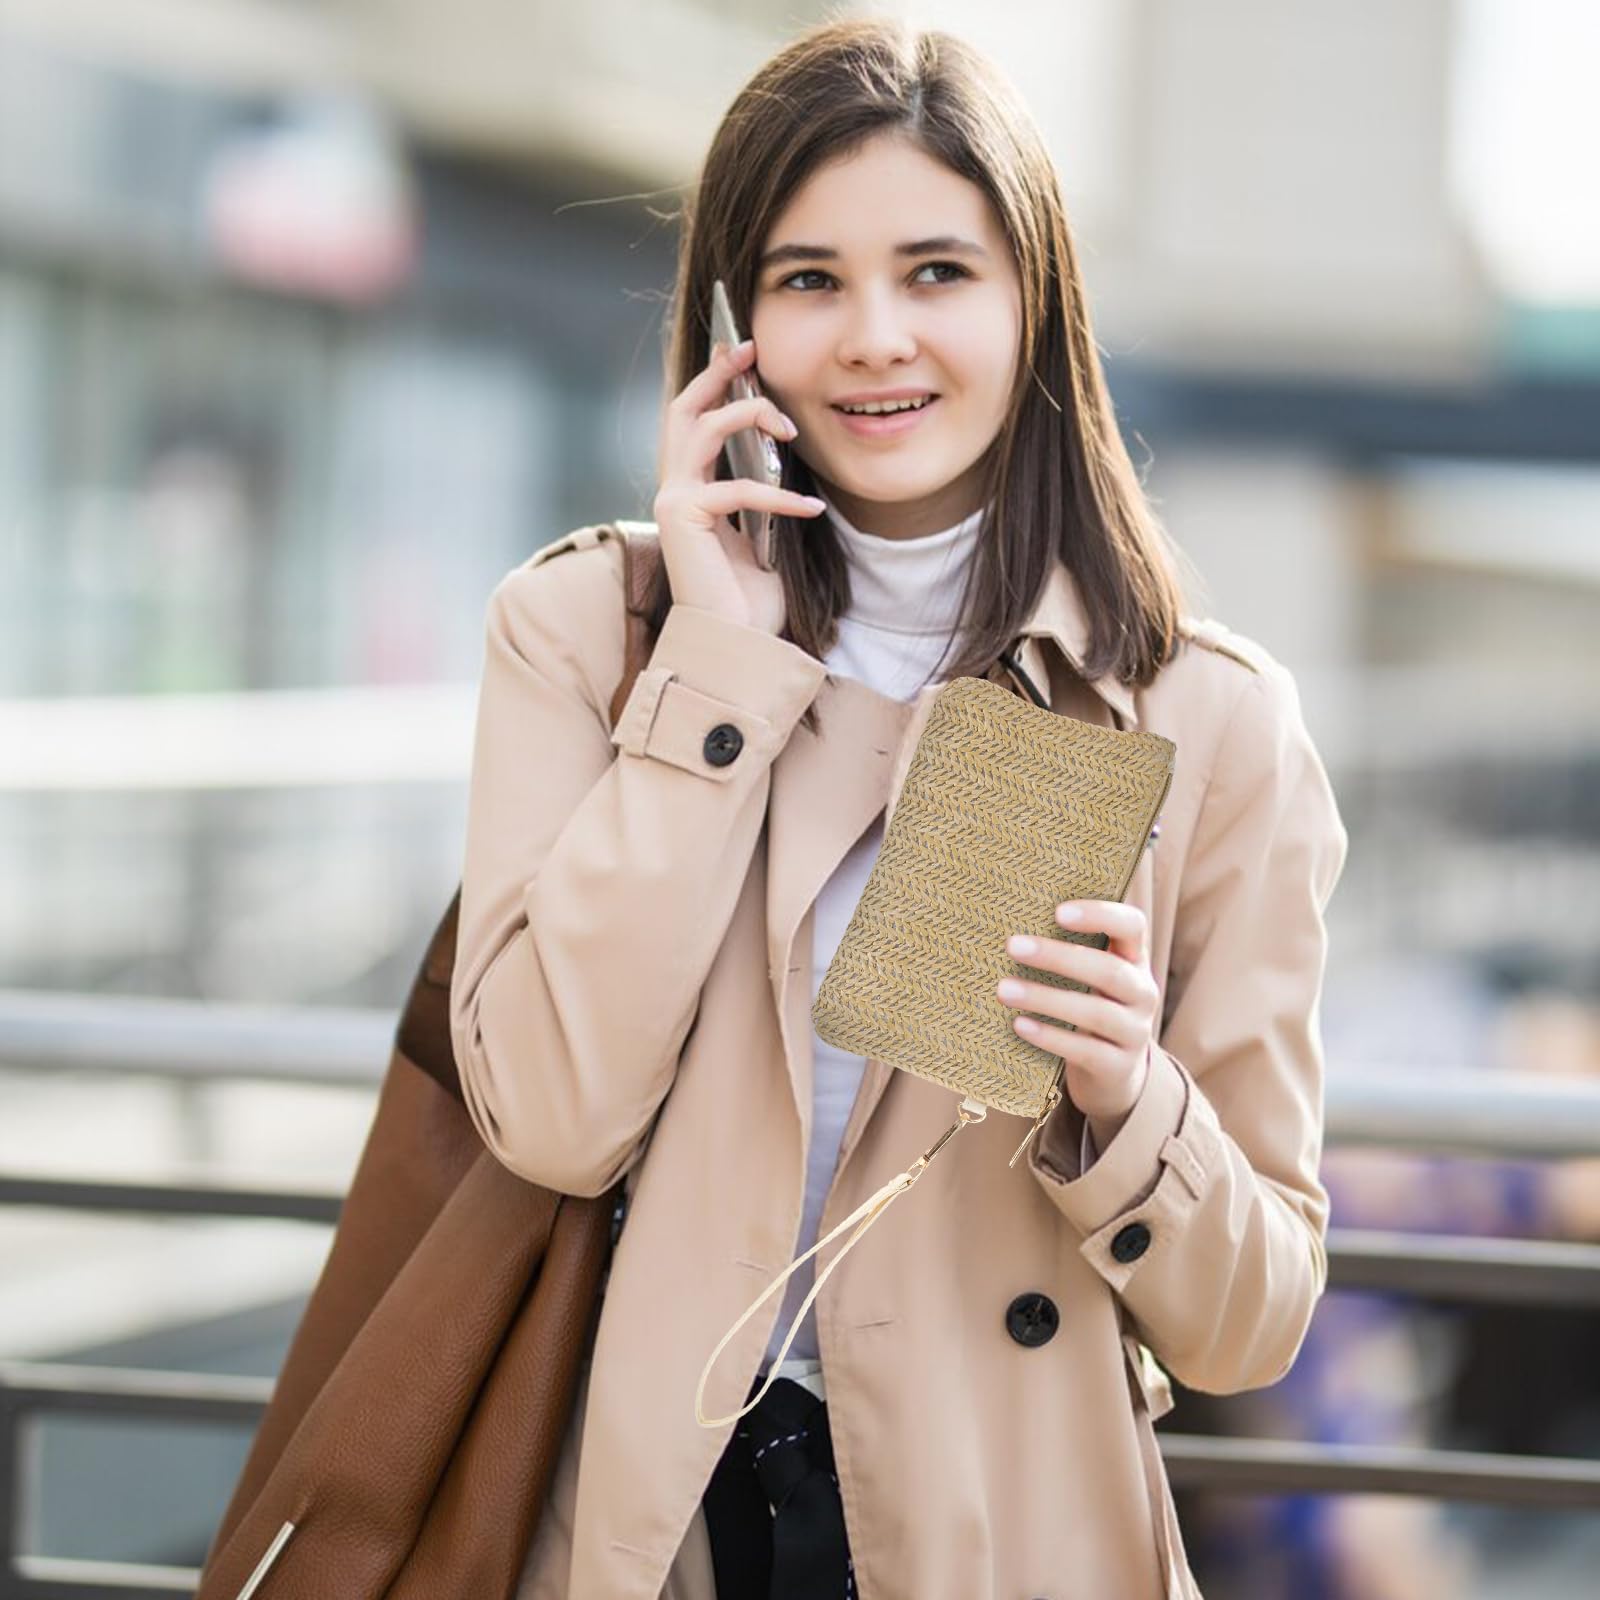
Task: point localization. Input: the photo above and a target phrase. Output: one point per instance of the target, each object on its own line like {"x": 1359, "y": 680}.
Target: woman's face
{"x": 844, "y": 314}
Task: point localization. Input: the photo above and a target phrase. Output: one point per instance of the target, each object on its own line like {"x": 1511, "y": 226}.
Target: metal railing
{"x": 1481, "y": 1114}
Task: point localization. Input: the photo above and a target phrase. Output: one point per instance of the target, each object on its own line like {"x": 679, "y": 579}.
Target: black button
{"x": 1131, "y": 1242}
{"x": 723, "y": 743}
{"x": 1032, "y": 1319}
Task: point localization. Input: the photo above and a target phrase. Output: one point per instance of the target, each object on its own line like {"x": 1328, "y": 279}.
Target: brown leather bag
{"x": 413, "y": 1431}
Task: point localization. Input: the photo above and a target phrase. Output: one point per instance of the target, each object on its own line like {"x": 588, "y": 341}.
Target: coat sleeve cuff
{"x": 705, "y": 672}
{"x": 1135, "y": 1196}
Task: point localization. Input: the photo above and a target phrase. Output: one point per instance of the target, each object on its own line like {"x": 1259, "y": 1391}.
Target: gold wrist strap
{"x": 860, "y": 1219}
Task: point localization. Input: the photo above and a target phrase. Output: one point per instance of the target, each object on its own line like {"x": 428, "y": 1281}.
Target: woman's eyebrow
{"x": 944, "y": 244}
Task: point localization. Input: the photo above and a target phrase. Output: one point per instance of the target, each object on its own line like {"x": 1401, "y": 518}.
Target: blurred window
{"x": 1525, "y": 129}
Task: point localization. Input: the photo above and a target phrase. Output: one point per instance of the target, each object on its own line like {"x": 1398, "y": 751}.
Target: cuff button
{"x": 723, "y": 744}
{"x": 1131, "y": 1242}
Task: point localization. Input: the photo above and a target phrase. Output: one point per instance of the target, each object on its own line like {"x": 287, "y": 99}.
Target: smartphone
{"x": 751, "y": 452}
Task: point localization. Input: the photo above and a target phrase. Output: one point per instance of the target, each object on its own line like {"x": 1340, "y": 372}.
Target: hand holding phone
{"x": 751, "y": 453}
{"x": 711, "y": 564}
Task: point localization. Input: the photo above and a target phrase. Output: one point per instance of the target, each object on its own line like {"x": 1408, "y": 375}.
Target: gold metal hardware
{"x": 274, "y": 1550}
{"x": 968, "y": 1111}
{"x": 1051, "y": 1100}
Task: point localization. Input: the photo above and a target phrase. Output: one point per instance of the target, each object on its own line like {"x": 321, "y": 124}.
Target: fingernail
{"x": 1068, "y": 913}
{"x": 1021, "y": 946}
{"x": 812, "y": 500}
{"x": 1011, "y": 990}
{"x": 789, "y": 424}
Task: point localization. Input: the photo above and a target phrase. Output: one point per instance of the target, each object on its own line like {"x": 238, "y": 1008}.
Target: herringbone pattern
{"x": 1007, "y": 809}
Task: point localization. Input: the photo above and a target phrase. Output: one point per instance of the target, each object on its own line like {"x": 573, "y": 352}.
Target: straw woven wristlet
{"x": 1007, "y": 809}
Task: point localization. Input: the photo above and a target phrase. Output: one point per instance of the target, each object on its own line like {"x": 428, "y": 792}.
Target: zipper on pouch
{"x": 1152, "y": 828}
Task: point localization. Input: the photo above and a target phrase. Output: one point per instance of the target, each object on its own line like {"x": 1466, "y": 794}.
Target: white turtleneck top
{"x": 905, "y": 596}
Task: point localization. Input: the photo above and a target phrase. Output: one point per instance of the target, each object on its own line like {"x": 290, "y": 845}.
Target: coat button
{"x": 1032, "y": 1319}
{"x": 723, "y": 743}
{"x": 1131, "y": 1242}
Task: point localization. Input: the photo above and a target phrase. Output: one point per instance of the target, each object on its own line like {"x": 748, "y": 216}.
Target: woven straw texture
{"x": 1007, "y": 809}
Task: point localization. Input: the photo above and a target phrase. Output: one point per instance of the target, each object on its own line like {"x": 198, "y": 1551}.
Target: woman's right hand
{"x": 710, "y": 563}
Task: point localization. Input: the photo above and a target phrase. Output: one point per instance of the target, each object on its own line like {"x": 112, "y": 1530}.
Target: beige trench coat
{"x": 632, "y": 996}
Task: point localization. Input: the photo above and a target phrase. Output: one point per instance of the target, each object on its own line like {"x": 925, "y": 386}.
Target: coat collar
{"x": 828, "y": 787}
{"x": 1059, "y": 616}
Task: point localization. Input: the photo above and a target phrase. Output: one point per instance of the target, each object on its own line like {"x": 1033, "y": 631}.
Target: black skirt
{"x": 772, "y": 1507}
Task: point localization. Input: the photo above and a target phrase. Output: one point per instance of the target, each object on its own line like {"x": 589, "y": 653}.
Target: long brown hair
{"x": 1060, "y": 483}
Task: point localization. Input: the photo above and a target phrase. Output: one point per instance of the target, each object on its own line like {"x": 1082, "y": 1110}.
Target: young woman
{"x": 647, "y": 910}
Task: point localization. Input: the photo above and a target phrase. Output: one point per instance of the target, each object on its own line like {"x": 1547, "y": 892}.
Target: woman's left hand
{"x": 1106, "y": 1053}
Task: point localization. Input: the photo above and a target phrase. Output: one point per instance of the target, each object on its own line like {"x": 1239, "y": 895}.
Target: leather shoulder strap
{"x": 641, "y": 555}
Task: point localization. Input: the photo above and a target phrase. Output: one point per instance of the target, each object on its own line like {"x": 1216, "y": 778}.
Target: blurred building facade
{"x": 316, "y": 319}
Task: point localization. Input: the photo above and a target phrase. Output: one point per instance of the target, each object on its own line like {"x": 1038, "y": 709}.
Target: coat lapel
{"x": 827, "y": 788}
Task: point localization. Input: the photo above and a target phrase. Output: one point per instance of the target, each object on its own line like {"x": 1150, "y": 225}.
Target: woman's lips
{"x": 881, "y": 427}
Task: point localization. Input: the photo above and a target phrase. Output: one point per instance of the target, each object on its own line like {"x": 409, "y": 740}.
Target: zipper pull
{"x": 1051, "y": 1101}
